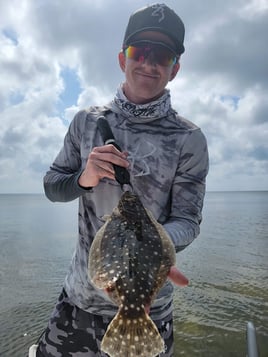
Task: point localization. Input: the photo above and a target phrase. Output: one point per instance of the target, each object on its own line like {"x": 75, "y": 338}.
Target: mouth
{"x": 146, "y": 75}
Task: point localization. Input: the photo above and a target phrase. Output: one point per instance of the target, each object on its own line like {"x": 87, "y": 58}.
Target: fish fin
{"x": 106, "y": 217}
{"x": 127, "y": 336}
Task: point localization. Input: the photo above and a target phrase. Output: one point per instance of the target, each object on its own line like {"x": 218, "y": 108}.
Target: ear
{"x": 175, "y": 70}
{"x": 122, "y": 60}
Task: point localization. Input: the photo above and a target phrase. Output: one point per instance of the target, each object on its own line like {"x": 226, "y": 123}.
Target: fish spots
{"x": 131, "y": 255}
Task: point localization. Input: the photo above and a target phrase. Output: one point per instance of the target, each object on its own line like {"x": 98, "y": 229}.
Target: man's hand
{"x": 177, "y": 277}
{"x": 100, "y": 164}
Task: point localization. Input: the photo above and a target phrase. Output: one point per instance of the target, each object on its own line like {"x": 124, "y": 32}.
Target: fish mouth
{"x": 129, "y": 198}
{"x": 129, "y": 203}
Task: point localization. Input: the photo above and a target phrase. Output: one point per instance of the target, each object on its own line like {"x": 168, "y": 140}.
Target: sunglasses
{"x": 158, "y": 54}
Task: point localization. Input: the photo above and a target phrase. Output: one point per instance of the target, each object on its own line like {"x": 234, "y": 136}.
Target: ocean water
{"x": 227, "y": 266}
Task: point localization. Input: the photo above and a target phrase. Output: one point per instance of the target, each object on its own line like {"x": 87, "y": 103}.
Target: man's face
{"x": 146, "y": 80}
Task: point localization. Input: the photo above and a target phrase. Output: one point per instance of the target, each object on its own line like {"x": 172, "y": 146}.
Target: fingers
{"x": 177, "y": 277}
{"x": 100, "y": 164}
{"x": 108, "y": 154}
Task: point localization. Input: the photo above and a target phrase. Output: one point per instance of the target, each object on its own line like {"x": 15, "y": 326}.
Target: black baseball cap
{"x": 156, "y": 17}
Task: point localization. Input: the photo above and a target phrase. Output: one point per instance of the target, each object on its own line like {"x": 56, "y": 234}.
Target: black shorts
{"x": 73, "y": 332}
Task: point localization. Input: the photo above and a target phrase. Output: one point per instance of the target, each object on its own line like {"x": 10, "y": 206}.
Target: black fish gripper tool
{"x": 121, "y": 173}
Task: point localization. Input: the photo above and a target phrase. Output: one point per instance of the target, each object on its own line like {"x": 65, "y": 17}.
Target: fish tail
{"x": 132, "y": 336}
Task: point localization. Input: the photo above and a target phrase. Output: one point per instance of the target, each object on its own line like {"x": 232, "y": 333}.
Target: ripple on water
{"x": 22, "y": 327}
{"x": 209, "y": 316}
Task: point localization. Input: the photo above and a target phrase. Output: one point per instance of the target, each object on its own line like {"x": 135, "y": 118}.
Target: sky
{"x": 57, "y": 57}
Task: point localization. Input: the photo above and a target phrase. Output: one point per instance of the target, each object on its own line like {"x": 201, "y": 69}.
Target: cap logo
{"x": 159, "y": 11}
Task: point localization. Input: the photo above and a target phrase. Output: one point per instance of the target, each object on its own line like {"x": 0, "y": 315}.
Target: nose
{"x": 150, "y": 59}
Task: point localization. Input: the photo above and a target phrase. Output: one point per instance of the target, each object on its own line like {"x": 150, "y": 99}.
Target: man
{"x": 167, "y": 159}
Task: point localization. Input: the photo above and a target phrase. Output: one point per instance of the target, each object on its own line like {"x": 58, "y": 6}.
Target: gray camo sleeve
{"x": 61, "y": 181}
{"x": 188, "y": 191}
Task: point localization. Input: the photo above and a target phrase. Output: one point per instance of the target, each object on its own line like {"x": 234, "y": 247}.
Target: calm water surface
{"x": 227, "y": 266}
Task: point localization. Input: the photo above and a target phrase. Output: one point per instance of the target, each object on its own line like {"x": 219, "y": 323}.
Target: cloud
{"x": 233, "y": 50}
{"x": 57, "y": 58}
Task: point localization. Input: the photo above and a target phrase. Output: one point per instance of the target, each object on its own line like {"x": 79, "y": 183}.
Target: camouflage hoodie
{"x": 168, "y": 166}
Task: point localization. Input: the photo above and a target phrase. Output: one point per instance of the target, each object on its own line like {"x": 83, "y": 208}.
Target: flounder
{"x": 130, "y": 258}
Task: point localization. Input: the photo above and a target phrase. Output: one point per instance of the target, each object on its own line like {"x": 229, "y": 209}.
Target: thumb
{"x": 177, "y": 277}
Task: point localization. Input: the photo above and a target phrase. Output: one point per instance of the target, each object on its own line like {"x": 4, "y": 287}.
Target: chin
{"x": 143, "y": 96}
